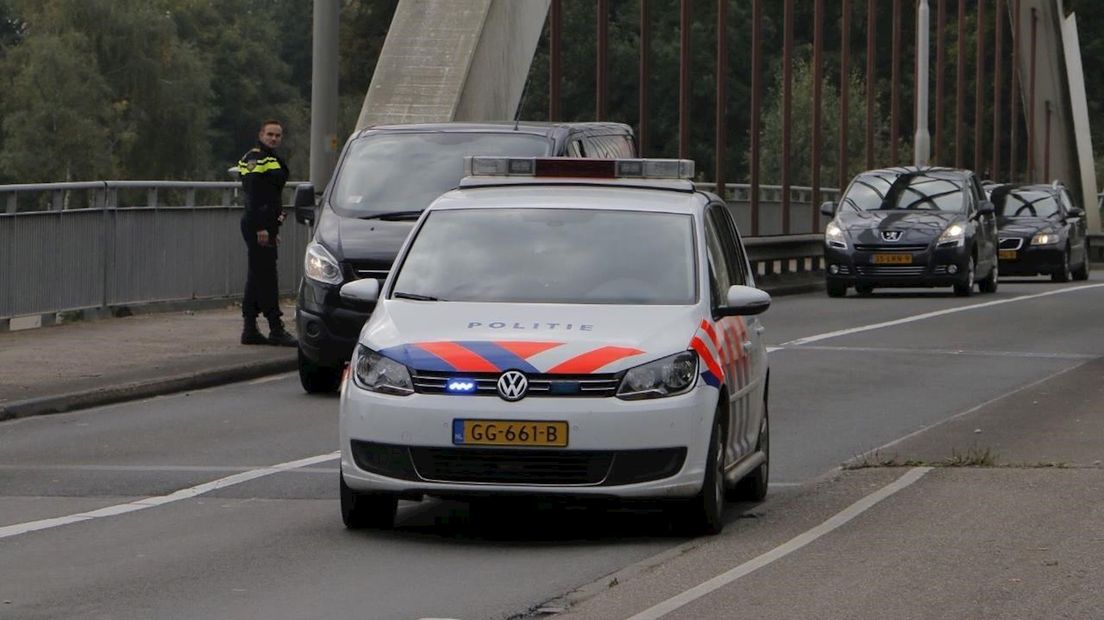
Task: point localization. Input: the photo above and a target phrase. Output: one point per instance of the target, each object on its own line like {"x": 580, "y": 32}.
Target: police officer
{"x": 263, "y": 175}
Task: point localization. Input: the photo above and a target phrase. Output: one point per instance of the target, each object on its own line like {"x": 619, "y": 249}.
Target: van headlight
{"x": 833, "y": 236}
{"x": 319, "y": 265}
{"x": 671, "y": 375}
{"x": 1045, "y": 238}
{"x": 377, "y": 373}
{"x": 955, "y": 235}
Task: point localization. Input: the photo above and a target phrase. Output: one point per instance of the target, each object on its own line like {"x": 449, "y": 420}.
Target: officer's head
{"x": 272, "y": 133}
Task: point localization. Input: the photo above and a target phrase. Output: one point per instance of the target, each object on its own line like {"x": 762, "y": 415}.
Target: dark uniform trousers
{"x": 261, "y": 285}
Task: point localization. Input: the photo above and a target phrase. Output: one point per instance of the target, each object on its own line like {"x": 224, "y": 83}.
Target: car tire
{"x": 1064, "y": 273}
{"x": 1081, "y": 273}
{"x": 989, "y": 284}
{"x": 753, "y": 487}
{"x": 317, "y": 379}
{"x": 966, "y": 287}
{"x": 835, "y": 289}
{"x": 366, "y": 510}
{"x": 704, "y": 513}
{"x": 864, "y": 289}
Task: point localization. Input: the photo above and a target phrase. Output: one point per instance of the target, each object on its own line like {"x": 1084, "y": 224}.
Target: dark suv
{"x": 911, "y": 227}
{"x": 385, "y": 177}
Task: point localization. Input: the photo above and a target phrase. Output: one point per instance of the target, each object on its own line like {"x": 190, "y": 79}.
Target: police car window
{"x": 719, "y": 277}
{"x": 734, "y": 257}
{"x": 406, "y": 171}
{"x": 570, "y": 256}
{"x": 1018, "y": 203}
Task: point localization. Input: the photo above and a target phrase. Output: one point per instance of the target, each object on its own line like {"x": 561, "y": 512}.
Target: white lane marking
{"x": 916, "y": 351}
{"x": 271, "y": 379}
{"x": 176, "y": 496}
{"x": 781, "y": 551}
{"x": 930, "y": 315}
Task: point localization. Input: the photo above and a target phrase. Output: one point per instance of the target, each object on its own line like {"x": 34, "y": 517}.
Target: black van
{"x": 385, "y": 177}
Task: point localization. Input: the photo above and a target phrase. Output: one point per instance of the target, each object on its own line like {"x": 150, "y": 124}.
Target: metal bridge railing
{"x": 105, "y": 244}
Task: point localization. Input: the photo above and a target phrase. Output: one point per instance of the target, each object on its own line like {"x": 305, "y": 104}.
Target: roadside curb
{"x": 73, "y": 401}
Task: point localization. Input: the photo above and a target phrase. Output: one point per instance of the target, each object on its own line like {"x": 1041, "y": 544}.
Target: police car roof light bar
{"x": 568, "y": 167}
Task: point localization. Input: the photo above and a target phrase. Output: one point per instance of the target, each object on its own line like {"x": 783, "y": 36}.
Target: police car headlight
{"x": 320, "y": 265}
{"x": 664, "y": 377}
{"x": 377, "y": 373}
{"x": 1045, "y": 238}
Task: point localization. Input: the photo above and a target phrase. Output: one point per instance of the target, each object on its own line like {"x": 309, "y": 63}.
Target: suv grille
{"x": 1011, "y": 243}
{"x": 360, "y": 269}
{"x": 593, "y": 386}
{"x": 894, "y": 247}
{"x": 890, "y": 270}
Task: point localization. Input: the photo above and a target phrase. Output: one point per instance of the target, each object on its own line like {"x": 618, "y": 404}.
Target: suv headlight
{"x": 955, "y": 235}
{"x": 833, "y": 236}
{"x": 377, "y": 373}
{"x": 320, "y": 265}
{"x": 1045, "y": 238}
{"x": 671, "y": 375}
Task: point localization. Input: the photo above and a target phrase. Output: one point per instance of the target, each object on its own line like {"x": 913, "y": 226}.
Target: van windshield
{"x": 405, "y": 171}
{"x": 910, "y": 191}
{"x": 566, "y": 256}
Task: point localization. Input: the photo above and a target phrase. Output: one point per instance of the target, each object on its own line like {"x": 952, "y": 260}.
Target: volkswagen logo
{"x": 512, "y": 385}
{"x": 891, "y": 235}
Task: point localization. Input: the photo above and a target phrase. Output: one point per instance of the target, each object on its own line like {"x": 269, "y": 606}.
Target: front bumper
{"x": 927, "y": 267}
{"x": 1017, "y": 257}
{"x": 616, "y": 449}
{"x": 328, "y": 328}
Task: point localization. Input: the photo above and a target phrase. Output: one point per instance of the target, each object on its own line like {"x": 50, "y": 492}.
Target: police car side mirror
{"x": 744, "y": 301}
{"x": 828, "y": 208}
{"x": 363, "y": 291}
{"x": 304, "y": 204}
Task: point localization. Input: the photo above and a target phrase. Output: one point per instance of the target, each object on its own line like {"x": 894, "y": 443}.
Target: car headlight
{"x": 377, "y": 373}
{"x": 833, "y": 236}
{"x": 955, "y": 235}
{"x": 671, "y": 375}
{"x": 1045, "y": 238}
{"x": 320, "y": 265}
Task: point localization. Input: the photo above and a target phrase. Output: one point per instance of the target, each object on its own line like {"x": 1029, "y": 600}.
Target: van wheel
{"x": 966, "y": 287}
{"x": 835, "y": 289}
{"x": 366, "y": 510}
{"x": 753, "y": 488}
{"x": 989, "y": 284}
{"x": 704, "y": 513}
{"x": 317, "y": 379}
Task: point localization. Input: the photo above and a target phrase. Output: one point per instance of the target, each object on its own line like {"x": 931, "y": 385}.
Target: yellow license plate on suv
{"x": 892, "y": 259}
{"x": 509, "y": 433}
{"x": 1007, "y": 254}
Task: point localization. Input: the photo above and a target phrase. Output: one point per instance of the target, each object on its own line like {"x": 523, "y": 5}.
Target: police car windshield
{"x": 405, "y": 171}
{"x": 569, "y": 256}
{"x": 1028, "y": 204}
{"x": 916, "y": 192}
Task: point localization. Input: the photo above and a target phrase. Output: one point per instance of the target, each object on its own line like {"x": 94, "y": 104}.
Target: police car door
{"x": 733, "y": 335}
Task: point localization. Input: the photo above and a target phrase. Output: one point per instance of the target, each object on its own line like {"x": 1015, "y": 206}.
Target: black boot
{"x": 278, "y": 336}
{"x": 250, "y": 333}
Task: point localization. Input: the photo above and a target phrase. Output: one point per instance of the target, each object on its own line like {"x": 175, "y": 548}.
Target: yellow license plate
{"x": 509, "y": 433}
{"x": 892, "y": 259}
{"x": 1007, "y": 254}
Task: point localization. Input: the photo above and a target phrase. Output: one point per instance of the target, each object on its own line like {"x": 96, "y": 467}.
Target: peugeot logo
{"x": 891, "y": 235}
{"x": 512, "y": 385}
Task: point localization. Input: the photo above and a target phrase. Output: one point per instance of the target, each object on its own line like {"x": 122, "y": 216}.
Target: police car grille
{"x": 556, "y": 385}
{"x": 511, "y": 466}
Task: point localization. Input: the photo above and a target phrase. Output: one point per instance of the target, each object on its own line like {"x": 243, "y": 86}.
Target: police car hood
{"x": 533, "y": 338}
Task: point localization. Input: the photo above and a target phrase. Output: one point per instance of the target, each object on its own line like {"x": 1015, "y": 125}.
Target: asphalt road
{"x": 268, "y": 541}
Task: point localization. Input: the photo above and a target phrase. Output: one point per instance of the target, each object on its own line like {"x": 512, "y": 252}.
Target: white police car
{"x": 559, "y": 327}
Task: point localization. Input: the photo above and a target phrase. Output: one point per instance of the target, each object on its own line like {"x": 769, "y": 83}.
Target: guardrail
{"x": 107, "y": 246}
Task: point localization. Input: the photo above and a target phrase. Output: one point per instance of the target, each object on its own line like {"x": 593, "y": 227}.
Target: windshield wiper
{"x": 414, "y": 296}
{"x": 393, "y": 215}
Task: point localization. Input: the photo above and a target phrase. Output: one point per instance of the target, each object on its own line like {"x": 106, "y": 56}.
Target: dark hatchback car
{"x": 911, "y": 227}
{"x": 1041, "y": 232}
{"x": 385, "y": 177}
